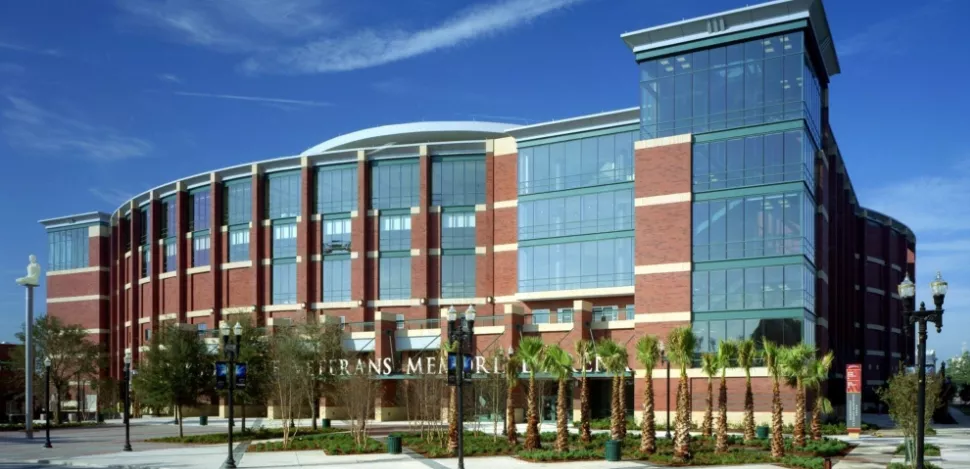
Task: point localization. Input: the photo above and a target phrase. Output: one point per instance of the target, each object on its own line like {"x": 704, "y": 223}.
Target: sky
{"x": 101, "y": 100}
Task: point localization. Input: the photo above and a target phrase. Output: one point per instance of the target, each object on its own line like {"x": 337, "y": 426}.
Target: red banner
{"x": 853, "y": 378}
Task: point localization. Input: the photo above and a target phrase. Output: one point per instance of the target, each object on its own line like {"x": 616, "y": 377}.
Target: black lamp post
{"x": 907, "y": 293}
{"x": 461, "y": 330}
{"x": 231, "y": 349}
{"x": 127, "y": 401}
{"x": 665, "y": 361}
{"x": 47, "y": 402}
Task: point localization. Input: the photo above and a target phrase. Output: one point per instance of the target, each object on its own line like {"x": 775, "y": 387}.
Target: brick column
{"x": 217, "y": 242}
{"x": 485, "y": 236}
{"x": 361, "y": 229}
{"x": 158, "y": 254}
{"x": 420, "y": 236}
{"x": 184, "y": 253}
{"x": 134, "y": 272}
{"x": 114, "y": 276}
{"x": 385, "y": 407}
{"x": 505, "y": 218}
{"x": 305, "y": 278}
{"x": 257, "y": 240}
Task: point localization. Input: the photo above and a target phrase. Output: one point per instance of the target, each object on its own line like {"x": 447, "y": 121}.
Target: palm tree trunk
{"x": 682, "y": 425}
{"x": 817, "y": 418}
{"x": 648, "y": 430}
{"x": 585, "y": 433}
{"x": 622, "y": 403}
{"x": 722, "y": 445}
{"x": 532, "y": 426}
{"x": 453, "y": 420}
{"x": 562, "y": 428}
{"x": 777, "y": 424}
{"x": 748, "y": 410}
{"x": 510, "y": 429}
{"x": 615, "y": 409}
{"x": 707, "y": 427}
{"x": 799, "y": 433}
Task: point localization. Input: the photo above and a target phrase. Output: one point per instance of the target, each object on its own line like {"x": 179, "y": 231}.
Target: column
{"x": 257, "y": 241}
{"x": 362, "y": 268}
{"x": 217, "y": 241}
{"x": 385, "y": 407}
{"x": 485, "y": 237}
{"x": 184, "y": 252}
{"x": 305, "y": 278}
{"x": 420, "y": 237}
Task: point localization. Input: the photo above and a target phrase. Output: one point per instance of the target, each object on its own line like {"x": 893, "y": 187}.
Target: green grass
{"x": 899, "y": 465}
{"x": 248, "y": 435}
{"x": 929, "y": 449}
{"x": 339, "y": 443}
{"x": 13, "y": 427}
{"x": 475, "y": 444}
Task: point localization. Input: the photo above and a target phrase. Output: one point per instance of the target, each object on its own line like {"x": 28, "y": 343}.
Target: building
{"x": 722, "y": 201}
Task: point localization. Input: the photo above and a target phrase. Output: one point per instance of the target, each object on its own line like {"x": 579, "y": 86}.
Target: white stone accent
{"x": 236, "y": 265}
{"x": 99, "y": 231}
{"x": 661, "y": 373}
{"x": 662, "y": 199}
{"x": 198, "y": 314}
{"x": 74, "y": 299}
{"x": 877, "y": 353}
{"x": 612, "y": 325}
{"x": 165, "y": 275}
{"x": 875, "y": 290}
{"x": 876, "y": 327}
{"x": 238, "y": 310}
{"x": 198, "y": 270}
{"x": 481, "y": 250}
{"x": 316, "y": 258}
{"x": 287, "y": 307}
{"x": 506, "y": 247}
{"x": 415, "y": 252}
{"x": 373, "y": 212}
{"x": 505, "y": 299}
{"x": 97, "y": 331}
{"x": 434, "y": 209}
{"x": 144, "y": 320}
{"x": 166, "y": 317}
{"x": 481, "y": 207}
{"x": 489, "y": 330}
{"x": 895, "y": 330}
{"x": 662, "y": 268}
{"x": 897, "y": 268}
{"x": 390, "y": 303}
{"x": 507, "y": 204}
{"x": 354, "y": 254}
{"x": 571, "y": 294}
{"x": 373, "y": 254}
{"x": 415, "y": 210}
{"x": 663, "y": 141}
{"x": 548, "y": 327}
{"x": 334, "y": 305}
{"x": 127, "y": 287}
{"x": 434, "y": 252}
{"x": 875, "y": 260}
{"x": 456, "y": 301}
{"x": 662, "y": 317}
{"x": 82, "y": 270}
{"x": 504, "y": 146}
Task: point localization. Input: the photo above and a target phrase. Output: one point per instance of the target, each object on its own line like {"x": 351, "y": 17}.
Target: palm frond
{"x": 747, "y": 352}
{"x": 530, "y": 353}
{"x": 648, "y": 351}
{"x": 558, "y": 362}
{"x": 681, "y": 343}
{"x": 727, "y": 350}
{"x": 709, "y": 364}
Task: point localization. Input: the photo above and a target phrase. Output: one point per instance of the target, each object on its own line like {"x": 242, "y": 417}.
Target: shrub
{"x": 248, "y": 435}
{"x": 929, "y": 449}
{"x": 339, "y": 443}
{"x": 14, "y": 427}
{"x": 551, "y": 455}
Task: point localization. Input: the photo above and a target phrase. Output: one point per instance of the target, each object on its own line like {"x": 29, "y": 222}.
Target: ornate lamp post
{"x": 127, "y": 401}
{"x": 907, "y": 293}
{"x": 665, "y": 361}
{"x": 231, "y": 349}
{"x": 461, "y": 330}
{"x": 47, "y": 401}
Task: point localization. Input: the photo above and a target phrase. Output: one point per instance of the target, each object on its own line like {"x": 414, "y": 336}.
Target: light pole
{"x": 31, "y": 281}
{"x": 665, "y": 361}
{"x": 461, "y": 330}
{"x": 231, "y": 349}
{"x": 47, "y": 401}
{"x": 907, "y": 293}
{"x": 127, "y": 401}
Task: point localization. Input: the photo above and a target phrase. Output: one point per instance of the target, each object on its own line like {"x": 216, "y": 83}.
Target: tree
{"x": 512, "y": 367}
{"x": 965, "y": 393}
{"x": 611, "y": 354}
{"x": 361, "y": 390}
{"x": 68, "y": 348}
{"x": 709, "y": 366}
{"x": 254, "y": 352}
{"x": 898, "y": 395}
{"x": 490, "y": 388}
{"x": 794, "y": 365}
{"x": 559, "y": 364}
{"x": 648, "y": 353}
{"x": 726, "y": 351}
{"x": 288, "y": 378}
{"x": 959, "y": 369}
{"x": 771, "y": 353}
{"x": 584, "y": 352}
{"x": 530, "y": 352}
{"x": 175, "y": 371}
{"x": 324, "y": 342}
{"x": 746, "y": 355}
{"x": 680, "y": 351}
{"x": 446, "y": 348}
{"x": 818, "y": 373}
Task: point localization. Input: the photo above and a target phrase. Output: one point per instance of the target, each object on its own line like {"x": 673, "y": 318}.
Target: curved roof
{"x": 412, "y": 133}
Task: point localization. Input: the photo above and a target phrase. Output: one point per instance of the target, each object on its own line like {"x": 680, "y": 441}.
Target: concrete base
{"x": 256, "y": 411}
{"x": 390, "y": 414}
{"x": 333, "y": 413}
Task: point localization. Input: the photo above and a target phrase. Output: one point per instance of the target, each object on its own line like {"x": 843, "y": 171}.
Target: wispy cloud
{"x": 373, "y": 47}
{"x": 12, "y": 68}
{"x": 170, "y": 77}
{"x": 891, "y": 35}
{"x": 29, "y": 127}
{"x": 110, "y": 195}
{"x": 258, "y": 99}
{"x": 29, "y": 49}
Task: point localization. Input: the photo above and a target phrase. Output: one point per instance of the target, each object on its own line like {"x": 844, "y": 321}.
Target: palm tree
{"x": 452, "y": 347}
{"x": 726, "y": 350}
{"x": 530, "y": 353}
{"x": 559, "y": 364}
{"x": 818, "y": 373}
{"x": 772, "y": 357}
{"x": 709, "y": 367}
{"x": 746, "y": 355}
{"x": 681, "y": 343}
{"x": 610, "y": 354}
{"x": 512, "y": 367}
{"x": 794, "y": 365}
{"x": 648, "y": 352}
{"x": 621, "y": 364}
{"x": 584, "y": 350}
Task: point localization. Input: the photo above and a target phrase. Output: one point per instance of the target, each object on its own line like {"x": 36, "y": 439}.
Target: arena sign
{"x": 426, "y": 366}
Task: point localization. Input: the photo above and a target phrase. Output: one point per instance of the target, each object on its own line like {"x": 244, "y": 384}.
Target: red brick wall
{"x": 239, "y": 287}
{"x": 668, "y": 171}
{"x": 200, "y": 287}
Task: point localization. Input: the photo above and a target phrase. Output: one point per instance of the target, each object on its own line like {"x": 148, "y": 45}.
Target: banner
{"x": 240, "y": 376}
{"x": 853, "y": 399}
{"x": 222, "y": 369}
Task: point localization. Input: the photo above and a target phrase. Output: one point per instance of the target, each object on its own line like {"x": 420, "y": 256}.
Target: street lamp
{"x": 47, "y": 404}
{"x": 907, "y": 293}
{"x": 665, "y": 361}
{"x": 127, "y": 401}
{"x": 231, "y": 349}
{"x": 461, "y": 330}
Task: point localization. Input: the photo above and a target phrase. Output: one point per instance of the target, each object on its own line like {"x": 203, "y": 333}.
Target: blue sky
{"x": 103, "y": 100}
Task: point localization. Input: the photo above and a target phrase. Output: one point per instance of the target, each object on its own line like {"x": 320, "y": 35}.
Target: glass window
{"x": 394, "y": 184}
{"x": 171, "y": 252}
{"x": 284, "y": 283}
{"x": 584, "y": 162}
{"x": 564, "y": 315}
{"x": 336, "y": 280}
{"x": 284, "y": 240}
{"x": 68, "y": 249}
{"x": 336, "y": 189}
{"x": 458, "y": 276}
{"x": 587, "y": 264}
{"x": 200, "y": 250}
{"x": 457, "y": 181}
{"x": 577, "y": 214}
{"x": 146, "y": 261}
{"x": 395, "y": 234}
{"x": 238, "y": 244}
{"x": 238, "y": 202}
{"x": 606, "y": 313}
{"x": 145, "y": 223}
{"x": 283, "y": 193}
{"x": 336, "y": 236}
{"x": 540, "y": 316}
{"x": 458, "y": 230}
{"x": 395, "y": 278}
{"x": 199, "y": 207}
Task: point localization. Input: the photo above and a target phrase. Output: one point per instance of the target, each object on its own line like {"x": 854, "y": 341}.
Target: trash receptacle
{"x": 324, "y": 423}
{"x": 203, "y": 420}
{"x": 761, "y": 432}
{"x": 612, "y": 450}
{"x": 393, "y": 444}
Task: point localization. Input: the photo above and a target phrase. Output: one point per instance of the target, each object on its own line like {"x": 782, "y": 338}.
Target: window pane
{"x": 457, "y": 181}
{"x": 336, "y": 280}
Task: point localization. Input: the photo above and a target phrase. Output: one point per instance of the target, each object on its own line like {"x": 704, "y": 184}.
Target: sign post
{"x": 853, "y": 399}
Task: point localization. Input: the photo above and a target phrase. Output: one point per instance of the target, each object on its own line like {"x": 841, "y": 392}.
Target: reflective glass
{"x": 68, "y": 249}
{"x": 457, "y": 181}
{"x": 199, "y": 210}
{"x": 395, "y": 278}
{"x": 238, "y": 244}
{"x": 336, "y": 280}
{"x": 336, "y": 189}
{"x": 283, "y": 194}
{"x": 585, "y": 162}
{"x": 284, "y": 240}
{"x": 773, "y": 287}
{"x": 458, "y": 276}
{"x": 336, "y": 236}
{"x": 395, "y": 234}
{"x": 284, "y": 283}
{"x": 394, "y": 185}
{"x": 238, "y": 202}
{"x": 587, "y": 264}
{"x": 577, "y": 214}
{"x": 458, "y": 230}
{"x": 200, "y": 249}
